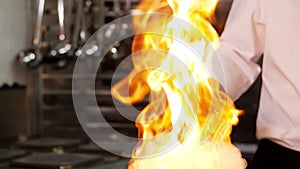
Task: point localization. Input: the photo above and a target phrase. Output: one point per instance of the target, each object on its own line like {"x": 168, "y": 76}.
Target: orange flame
{"x": 188, "y": 114}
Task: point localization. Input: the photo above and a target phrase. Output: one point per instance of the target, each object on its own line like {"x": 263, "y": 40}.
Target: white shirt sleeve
{"x": 241, "y": 45}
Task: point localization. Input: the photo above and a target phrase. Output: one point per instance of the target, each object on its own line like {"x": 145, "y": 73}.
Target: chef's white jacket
{"x": 271, "y": 28}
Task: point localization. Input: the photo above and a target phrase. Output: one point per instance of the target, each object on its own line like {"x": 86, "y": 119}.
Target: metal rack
{"x": 56, "y": 114}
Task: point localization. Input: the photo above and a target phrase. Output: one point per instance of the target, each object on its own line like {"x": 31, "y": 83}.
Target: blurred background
{"x": 40, "y": 41}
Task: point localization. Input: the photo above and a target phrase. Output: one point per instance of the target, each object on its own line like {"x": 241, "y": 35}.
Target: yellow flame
{"x": 188, "y": 121}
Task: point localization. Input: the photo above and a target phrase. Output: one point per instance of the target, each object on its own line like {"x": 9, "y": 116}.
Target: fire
{"x": 188, "y": 122}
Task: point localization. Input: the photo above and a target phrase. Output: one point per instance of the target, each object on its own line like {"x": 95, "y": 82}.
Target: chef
{"x": 270, "y": 28}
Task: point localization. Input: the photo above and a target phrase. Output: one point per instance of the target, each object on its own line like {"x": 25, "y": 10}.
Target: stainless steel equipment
{"x": 63, "y": 46}
{"x": 32, "y": 57}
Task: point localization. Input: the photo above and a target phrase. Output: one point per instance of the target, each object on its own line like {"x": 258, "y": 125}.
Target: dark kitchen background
{"x": 38, "y": 124}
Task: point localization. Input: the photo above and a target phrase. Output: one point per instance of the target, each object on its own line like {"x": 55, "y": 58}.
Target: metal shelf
{"x": 102, "y": 76}
{"x": 101, "y": 92}
{"x": 55, "y": 85}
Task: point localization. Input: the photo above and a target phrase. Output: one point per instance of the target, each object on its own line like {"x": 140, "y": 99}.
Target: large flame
{"x": 188, "y": 121}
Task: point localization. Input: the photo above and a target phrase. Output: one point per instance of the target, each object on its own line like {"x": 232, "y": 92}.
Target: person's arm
{"x": 241, "y": 45}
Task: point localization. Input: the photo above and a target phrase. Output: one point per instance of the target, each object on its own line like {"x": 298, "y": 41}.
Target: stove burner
{"x": 55, "y": 161}
{"x": 49, "y": 143}
{"x": 6, "y": 155}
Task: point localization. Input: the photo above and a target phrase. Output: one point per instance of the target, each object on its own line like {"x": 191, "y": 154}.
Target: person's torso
{"x": 279, "y": 112}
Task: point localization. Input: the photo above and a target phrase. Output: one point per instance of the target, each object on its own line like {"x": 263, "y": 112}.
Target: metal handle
{"x": 77, "y": 22}
{"x": 117, "y": 8}
{"x": 37, "y": 35}
{"x": 60, "y": 9}
{"x": 83, "y": 31}
{"x": 69, "y": 19}
{"x": 127, "y": 6}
